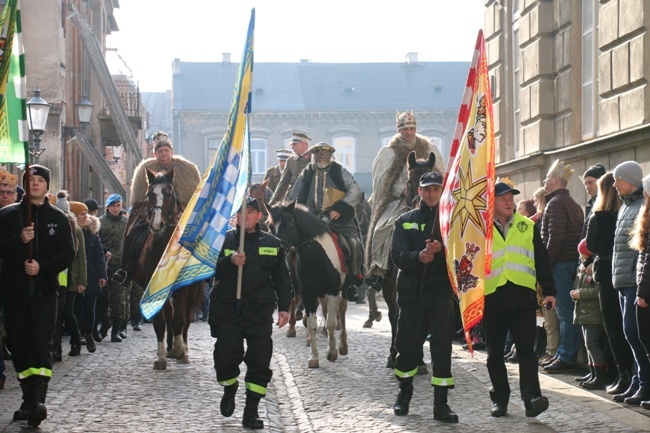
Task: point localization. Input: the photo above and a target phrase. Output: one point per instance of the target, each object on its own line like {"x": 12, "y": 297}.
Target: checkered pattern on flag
{"x": 192, "y": 252}
{"x": 467, "y": 202}
{"x": 13, "y": 109}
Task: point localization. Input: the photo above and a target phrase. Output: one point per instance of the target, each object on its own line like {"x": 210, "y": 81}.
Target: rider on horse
{"x": 388, "y": 196}
{"x": 329, "y": 190}
{"x": 186, "y": 179}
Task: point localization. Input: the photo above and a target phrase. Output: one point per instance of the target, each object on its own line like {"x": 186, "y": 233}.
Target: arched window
{"x": 345, "y": 151}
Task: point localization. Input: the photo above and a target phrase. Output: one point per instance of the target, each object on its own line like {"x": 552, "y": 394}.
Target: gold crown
{"x": 507, "y": 181}
{"x": 8, "y": 178}
{"x": 560, "y": 169}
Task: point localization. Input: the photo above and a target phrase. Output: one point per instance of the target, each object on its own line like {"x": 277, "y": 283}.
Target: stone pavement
{"x": 117, "y": 390}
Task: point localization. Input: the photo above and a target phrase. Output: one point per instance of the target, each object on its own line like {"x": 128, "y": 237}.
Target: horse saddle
{"x": 349, "y": 256}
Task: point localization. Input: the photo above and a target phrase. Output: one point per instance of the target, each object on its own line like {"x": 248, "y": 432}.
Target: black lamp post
{"x": 37, "y": 111}
{"x": 84, "y": 111}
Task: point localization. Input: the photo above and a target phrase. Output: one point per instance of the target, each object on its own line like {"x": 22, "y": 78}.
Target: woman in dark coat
{"x": 96, "y": 272}
{"x": 600, "y": 241}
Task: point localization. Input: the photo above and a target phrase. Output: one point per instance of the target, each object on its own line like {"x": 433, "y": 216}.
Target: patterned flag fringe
{"x": 13, "y": 108}
{"x": 466, "y": 205}
{"x": 191, "y": 255}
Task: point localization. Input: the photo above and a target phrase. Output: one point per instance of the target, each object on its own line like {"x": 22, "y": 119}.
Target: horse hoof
{"x": 331, "y": 357}
{"x": 343, "y": 350}
{"x": 170, "y": 355}
{"x": 291, "y": 332}
{"x": 304, "y": 321}
{"x": 184, "y": 360}
{"x": 313, "y": 363}
{"x": 160, "y": 365}
{"x": 378, "y": 316}
{"x": 178, "y": 356}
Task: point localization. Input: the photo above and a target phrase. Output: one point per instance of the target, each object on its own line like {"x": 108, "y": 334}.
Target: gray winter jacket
{"x": 624, "y": 258}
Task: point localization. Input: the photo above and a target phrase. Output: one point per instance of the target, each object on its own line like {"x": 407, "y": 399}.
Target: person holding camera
{"x": 519, "y": 261}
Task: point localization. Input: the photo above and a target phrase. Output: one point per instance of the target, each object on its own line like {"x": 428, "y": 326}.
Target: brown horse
{"x": 161, "y": 213}
{"x": 415, "y": 169}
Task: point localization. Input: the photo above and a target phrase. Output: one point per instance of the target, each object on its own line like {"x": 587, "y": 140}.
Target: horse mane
{"x": 306, "y": 224}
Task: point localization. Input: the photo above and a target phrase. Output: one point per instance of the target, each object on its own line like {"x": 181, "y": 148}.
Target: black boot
{"x": 599, "y": 381}
{"x": 251, "y": 418}
{"x": 441, "y": 410}
{"x": 96, "y": 336}
{"x": 123, "y": 326}
{"x": 90, "y": 343}
{"x": 75, "y": 345}
{"x": 22, "y": 414}
{"x": 38, "y": 411}
{"x": 115, "y": 334}
{"x": 586, "y": 377}
{"x": 401, "y": 406}
{"x": 228, "y": 400}
{"x": 622, "y": 383}
{"x": 620, "y": 398}
{"x": 103, "y": 331}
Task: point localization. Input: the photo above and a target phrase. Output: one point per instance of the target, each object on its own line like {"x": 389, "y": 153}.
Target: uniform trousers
{"x": 30, "y": 329}
{"x": 522, "y": 324}
{"x": 433, "y": 313}
{"x": 229, "y": 353}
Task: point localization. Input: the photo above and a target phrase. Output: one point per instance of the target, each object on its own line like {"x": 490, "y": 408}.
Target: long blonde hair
{"x": 540, "y": 195}
{"x": 641, "y": 227}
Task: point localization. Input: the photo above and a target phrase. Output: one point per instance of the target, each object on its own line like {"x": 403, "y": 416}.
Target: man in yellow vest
{"x": 519, "y": 260}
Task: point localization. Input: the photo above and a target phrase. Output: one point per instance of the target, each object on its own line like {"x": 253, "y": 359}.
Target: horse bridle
{"x": 169, "y": 215}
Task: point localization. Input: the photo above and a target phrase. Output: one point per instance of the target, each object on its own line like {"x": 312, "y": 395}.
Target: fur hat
{"x": 629, "y": 171}
{"x": 78, "y": 207}
{"x": 405, "y": 120}
{"x": 161, "y": 139}
{"x": 38, "y": 170}
{"x": 595, "y": 171}
{"x": 560, "y": 169}
{"x": 7, "y": 178}
{"x": 62, "y": 201}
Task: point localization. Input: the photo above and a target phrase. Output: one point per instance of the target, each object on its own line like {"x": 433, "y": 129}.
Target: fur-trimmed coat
{"x": 95, "y": 259}
{"x": 186, "y": 179}
{"x": 388, "y": 199}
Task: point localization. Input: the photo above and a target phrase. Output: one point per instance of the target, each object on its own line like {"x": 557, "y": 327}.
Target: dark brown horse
{"x": 161, "y": 213}
{"x": 415, "y": 169}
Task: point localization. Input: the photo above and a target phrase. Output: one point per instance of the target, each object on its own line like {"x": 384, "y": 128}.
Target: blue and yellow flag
{"x": 467, "y": 202}
{"x": 13, "y": 109}
{"x": 192, "y": 252}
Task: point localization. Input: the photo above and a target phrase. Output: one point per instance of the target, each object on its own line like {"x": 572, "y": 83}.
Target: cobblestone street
{"x": 116, "y": 389}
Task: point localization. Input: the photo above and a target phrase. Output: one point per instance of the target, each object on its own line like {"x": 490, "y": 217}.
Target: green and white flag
{"x": 13, "y": 108}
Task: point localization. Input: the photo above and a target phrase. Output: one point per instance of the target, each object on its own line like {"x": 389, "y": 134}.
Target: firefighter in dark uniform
{"x": 265, "y": 283}
{"x": 426, "y": 300}
{"x": 29, "y": 288}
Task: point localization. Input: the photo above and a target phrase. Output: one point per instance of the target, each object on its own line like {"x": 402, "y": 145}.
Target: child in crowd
{"x": 587, "y": 314}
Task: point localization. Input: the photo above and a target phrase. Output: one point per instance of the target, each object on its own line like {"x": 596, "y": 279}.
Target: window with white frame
{"x": 344, "y": 145}
{"x": 258, "y": 155}
{"x": 516, "y": 104}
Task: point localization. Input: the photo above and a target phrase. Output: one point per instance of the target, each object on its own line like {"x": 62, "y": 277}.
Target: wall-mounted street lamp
{"x": 84, "y": 111}
{"x": 117, "y": 154}
{"x": 37, "y": 111}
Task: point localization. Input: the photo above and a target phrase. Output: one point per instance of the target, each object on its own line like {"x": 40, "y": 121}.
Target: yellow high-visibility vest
{"x": 513, "y": 258}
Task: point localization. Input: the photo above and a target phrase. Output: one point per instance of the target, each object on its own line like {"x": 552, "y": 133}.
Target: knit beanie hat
{"x": 582, "y": 248}
{"x": 629, "y": 171}
{"x": 62, "y": 201}
{"x": 92, "y": 204}
{"x": 78, "y": 207}
{"x": 38, "y": 170}
{"x": 595, "y": 171}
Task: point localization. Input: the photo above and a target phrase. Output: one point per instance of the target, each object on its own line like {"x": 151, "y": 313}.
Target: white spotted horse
{"x": 320, "y": 273}
{"x": 159, "y": 216}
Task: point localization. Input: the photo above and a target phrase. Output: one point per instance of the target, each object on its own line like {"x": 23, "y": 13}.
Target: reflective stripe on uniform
{"x": 268, "y": 251}
{"x": 229, "y": 381}
{"x": 34, "y": 372}
{"x": 227, "y": 252}
{"x": 256, "y": 388}
{"x": 442, "y": 381}
{"x": 405, "y": 374}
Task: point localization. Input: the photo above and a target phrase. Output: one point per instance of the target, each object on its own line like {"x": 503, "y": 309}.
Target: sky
{"x": 154, "y": 32}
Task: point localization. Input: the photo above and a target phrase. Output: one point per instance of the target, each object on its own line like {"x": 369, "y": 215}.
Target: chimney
{"x": 411, "y": 58}
{"x": 225, "y": 57}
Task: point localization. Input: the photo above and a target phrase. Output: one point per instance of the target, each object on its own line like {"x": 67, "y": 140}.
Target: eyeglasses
{"x": 7, "y": 192}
